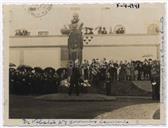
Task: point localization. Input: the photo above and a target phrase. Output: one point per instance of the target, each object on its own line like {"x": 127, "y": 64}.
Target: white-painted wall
{"x": 46, "y": 51}
{"x": 43, "y": 57}
{"x": 120, "y": 52}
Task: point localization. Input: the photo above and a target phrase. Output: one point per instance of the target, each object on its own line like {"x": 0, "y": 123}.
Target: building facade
{"x": 51, "y": 50}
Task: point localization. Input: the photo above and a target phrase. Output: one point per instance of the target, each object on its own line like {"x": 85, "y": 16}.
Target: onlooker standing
{"x": 74, "y": 80}
{"x": 115, "y": 71}
{"x": 145, "y": 70}
{"x": 139, "y": 68}
{"x": 135, "y": 71}
{"x": 122, "y": 73}
{"x": 108, "y": 82}
{"x": 149, "y": 67}
{"x": 132, "y": 68}
{"x": 86, "y": 70}
{"x": 104, "y": 31}
{"x": 112, "y": 71}
{"x": 128, "y": 72}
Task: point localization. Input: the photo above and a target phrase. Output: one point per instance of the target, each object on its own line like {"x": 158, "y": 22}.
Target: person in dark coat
{"x": 112, "y": 71}
{"x": 108, "y": 82}
{"x": 122, "y": 73}
{"x": 140, "y": 69}
{"x": 17, "y": 82}
{"x": 149, "y": 67}
{"x": 12, "y": 75}
{"x": 74, "y": 79}
{"x": 86, "y": 70}
{"x": 102, "y": 74}
{"x": 115, "y": 70}
{"x": 30, "y": 82}
{"x": 145, "y": 70}
{"x": 155, "y": 81}
{"x": 56, "y": 80}
{"x": 94, "y": 73}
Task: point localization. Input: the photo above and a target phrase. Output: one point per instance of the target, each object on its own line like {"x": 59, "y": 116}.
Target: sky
{"x": 134, "y": 20}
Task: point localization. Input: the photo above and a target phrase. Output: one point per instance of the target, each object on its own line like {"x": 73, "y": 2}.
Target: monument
{"x": 75, "y": 40}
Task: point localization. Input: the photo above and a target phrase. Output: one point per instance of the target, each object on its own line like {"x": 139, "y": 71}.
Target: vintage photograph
{"x": 84, "y": 61}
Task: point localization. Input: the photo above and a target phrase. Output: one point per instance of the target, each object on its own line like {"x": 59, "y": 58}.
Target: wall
{"x": 46, "y": 51}
{"x": 120, "y": 52}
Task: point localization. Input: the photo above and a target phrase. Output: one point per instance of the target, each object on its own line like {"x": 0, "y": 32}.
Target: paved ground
{"x": 138, "y": 111}
{"x": 30, "y": 107}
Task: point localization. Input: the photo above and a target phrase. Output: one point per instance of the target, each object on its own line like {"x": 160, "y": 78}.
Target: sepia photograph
{"x": 71, "y": 64}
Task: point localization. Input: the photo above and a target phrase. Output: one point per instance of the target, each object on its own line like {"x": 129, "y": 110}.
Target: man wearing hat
{"x": 75, "y": 78}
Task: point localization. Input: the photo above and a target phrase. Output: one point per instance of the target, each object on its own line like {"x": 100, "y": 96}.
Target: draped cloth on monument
{"x": 75, "y": 46}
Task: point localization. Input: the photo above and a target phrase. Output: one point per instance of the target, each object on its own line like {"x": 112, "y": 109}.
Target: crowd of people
{"x": 22, "y": 32}
{"x": 103, "y": 30}
{"x": 105, "y": 73}
{"x": 98, "y": 30}
{"x": 123, "y": 70}
{"x": 28, "y": 80}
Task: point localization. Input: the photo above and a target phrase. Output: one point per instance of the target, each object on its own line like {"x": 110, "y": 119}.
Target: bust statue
{"x": 75, "y": 24}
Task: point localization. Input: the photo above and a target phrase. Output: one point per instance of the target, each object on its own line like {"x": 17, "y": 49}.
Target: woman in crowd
{"x": 128, "y": 72}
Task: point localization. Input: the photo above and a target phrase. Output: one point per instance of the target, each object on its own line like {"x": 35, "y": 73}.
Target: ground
{"x": 129, "y": 100}
{"x": 31, "y": 107}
